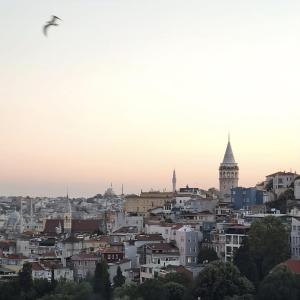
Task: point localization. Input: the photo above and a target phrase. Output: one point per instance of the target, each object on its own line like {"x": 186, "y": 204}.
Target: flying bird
{"x": 52, "y": 22}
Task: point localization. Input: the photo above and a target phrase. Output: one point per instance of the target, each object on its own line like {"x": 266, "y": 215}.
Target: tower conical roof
{"x": 228, "y": 157}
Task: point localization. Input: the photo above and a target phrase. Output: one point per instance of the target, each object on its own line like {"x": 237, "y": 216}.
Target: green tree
{"x": 219, "y": 280}
{"x": 9, "y": 290}
{"x": 269, "y": 244}
{"x": 25, "y": 278}
{"x": 126, "y": 291}
{"x": 42, "y": 287}
{"x": 280, "y": 284}
{"x": 207, "y": 255}
{"x": 245, "y": 262}
{"x": 67, "y": 290}
{"x": 180, "y": 278}
{"x": 174, "y": 291}
{"x": 152, "y": 289}
{"x": 102, "y": 283}
{"x": 119, "y": 279}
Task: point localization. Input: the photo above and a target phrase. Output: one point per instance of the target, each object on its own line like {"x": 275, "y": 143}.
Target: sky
{"x": 124, "y": 91}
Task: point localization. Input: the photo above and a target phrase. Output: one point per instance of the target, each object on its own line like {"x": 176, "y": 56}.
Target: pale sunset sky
{"x": 123, "y": 91}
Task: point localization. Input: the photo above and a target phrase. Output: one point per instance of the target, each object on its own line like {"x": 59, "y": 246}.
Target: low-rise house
{"x": 44, "y": 270}
{"x": 112, "y": 254}
{"x": 124, "y": 264}
{"x": 234, "y": 236}
{"x": 83, "y": 264}
{"x": 8, "y": 247}
{"x": 162, "y": 254}
{"x": 13, "y": 259}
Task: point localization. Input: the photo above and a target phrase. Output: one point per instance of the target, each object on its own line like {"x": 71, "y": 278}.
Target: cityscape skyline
{"x": 139, "y": 89}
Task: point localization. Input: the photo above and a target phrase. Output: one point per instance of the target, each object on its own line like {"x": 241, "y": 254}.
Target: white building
{"x": 295, "y": 239}
{"x": 297, "y": 189}
{"x": 281, "y": 181}
{"x": 187, "y": 240}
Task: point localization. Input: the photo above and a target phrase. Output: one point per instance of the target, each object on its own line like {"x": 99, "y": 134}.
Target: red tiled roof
{"x": 86, "y": 256}
{"x": 293, "y": 265}
{"x": 35, "y": 266}
{"x": 149, "y": 237}
{"x": 110, "y": 250}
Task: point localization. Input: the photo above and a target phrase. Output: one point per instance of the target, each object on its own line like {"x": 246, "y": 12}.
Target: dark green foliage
{"x": 174, "y": 291}
{"x": 129, "y": 291}
{"x": 280, "y": 284}
{"x": 269, "y": 244}
{"x": 281, "y": 202}
{"x": 42, "y": 287}
{"x": 25, "y": 278}
{"x": 9, "y": 290}
{"x": 152, "y": 289}
{"x": 207, "y": 255}
{"x": 219, "y": 280}
{"x": 242, "y": 297}
{"x": 119, "y": 279}
{"x": 245, "y": 262}
{"x": 180, "y": 278}
{"x": 71, "y": 291}
{"x": 102, "y": 285}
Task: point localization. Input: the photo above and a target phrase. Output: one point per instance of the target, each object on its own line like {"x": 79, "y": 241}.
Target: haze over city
{"x": 126, "y": 91}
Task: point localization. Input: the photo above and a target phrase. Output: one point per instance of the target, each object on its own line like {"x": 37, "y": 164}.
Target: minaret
{"x": 174, "y": 182}
{"x": 228, "y": 173}
{"x": 68, "y": 217}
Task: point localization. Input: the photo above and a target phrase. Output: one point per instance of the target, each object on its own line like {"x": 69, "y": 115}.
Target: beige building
{"x": 147, "y": 200}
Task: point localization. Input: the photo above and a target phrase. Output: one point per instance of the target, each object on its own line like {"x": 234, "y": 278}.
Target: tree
{"x": 269, "y": 244}
{"x": 152, "y": 289}
{"x": 67, "y": 290}
{"x": 245, "y": 262}
{"x": 25, "y": 278}
{"x": 280, "y": 284}
{"x": 207, "y": 255}
{"x": 219, "y": 280}
{"x": 181, "y": 278}
{"x": 174, "y": 291}
{"x": 281, "y": 202}
{"x": 42, "y": 287}
{"x": 102, "y": 283}
{"x": 126, "y": 291}
{"x": 119, "y": 279}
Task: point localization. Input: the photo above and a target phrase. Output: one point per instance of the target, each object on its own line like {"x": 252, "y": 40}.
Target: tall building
{"x": 228, "y": 174}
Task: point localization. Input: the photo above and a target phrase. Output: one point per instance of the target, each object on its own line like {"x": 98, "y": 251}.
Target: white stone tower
{"x": 228, "y": 173}
{"x": 174, "y": 181}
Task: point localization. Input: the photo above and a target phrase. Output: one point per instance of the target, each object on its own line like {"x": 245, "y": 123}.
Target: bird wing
{"x": 45, "y": 28}
{"x": 55, "y": 18}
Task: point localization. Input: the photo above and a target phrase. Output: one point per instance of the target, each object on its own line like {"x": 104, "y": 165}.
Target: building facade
{"x": 246, "y": 197}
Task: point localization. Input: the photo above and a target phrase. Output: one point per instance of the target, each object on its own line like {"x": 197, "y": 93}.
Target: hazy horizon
{"x": 126, "y": 91}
